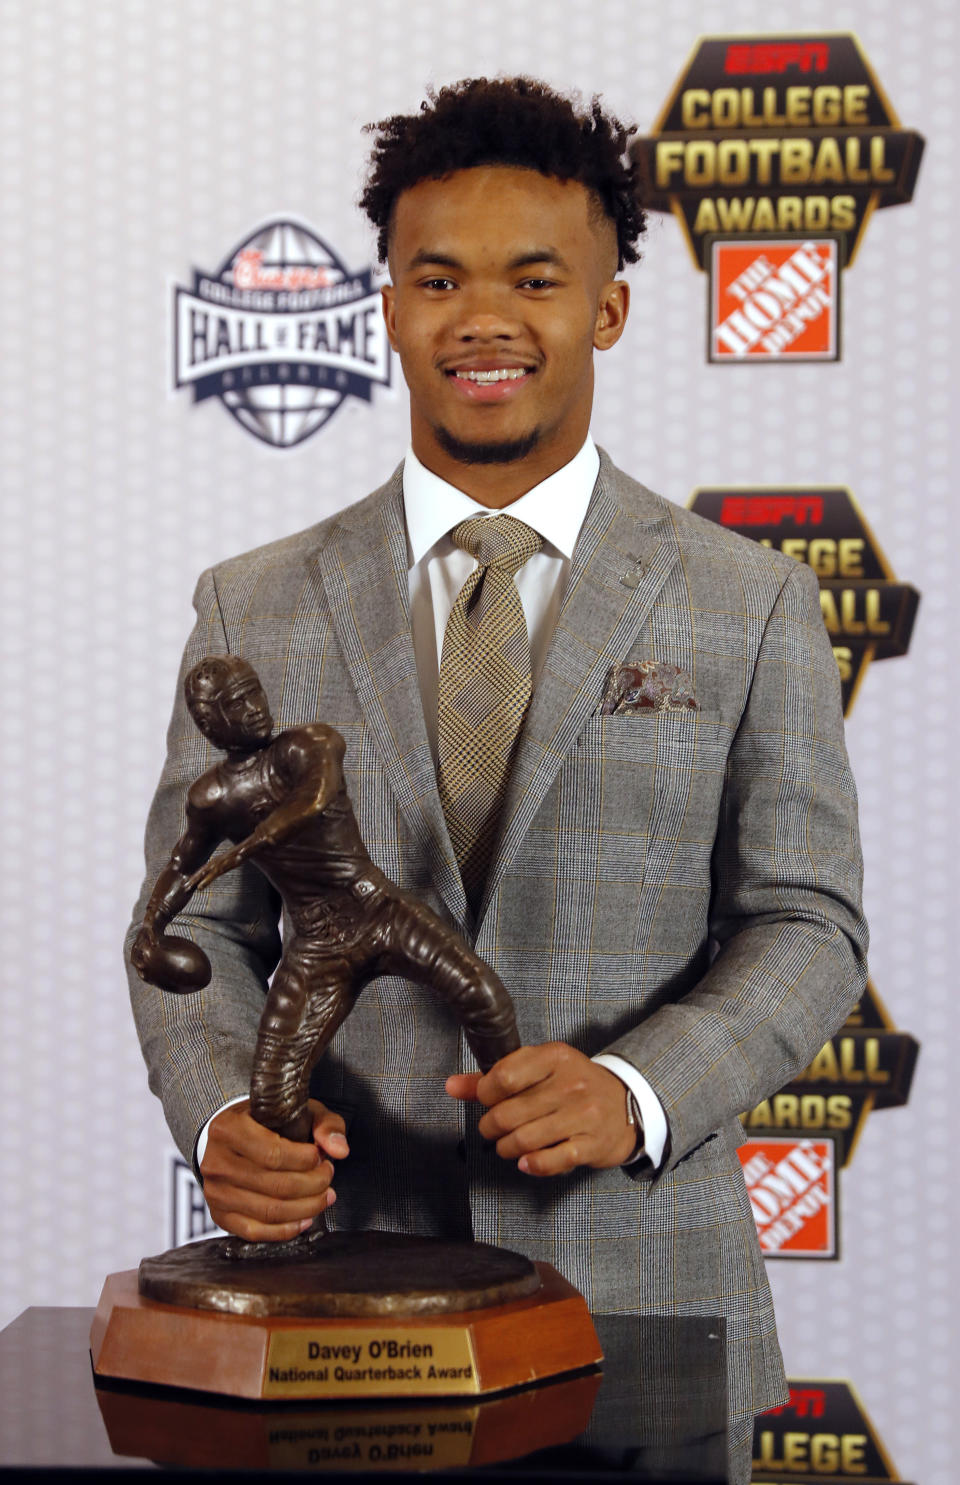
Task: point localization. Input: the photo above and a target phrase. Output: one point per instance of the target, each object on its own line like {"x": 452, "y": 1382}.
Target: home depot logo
{"x": 791, "y": 1184}
{"x": 774, "y": 299}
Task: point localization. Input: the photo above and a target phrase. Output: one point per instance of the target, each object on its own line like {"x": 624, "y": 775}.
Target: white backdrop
{"x": 141, "y": 140}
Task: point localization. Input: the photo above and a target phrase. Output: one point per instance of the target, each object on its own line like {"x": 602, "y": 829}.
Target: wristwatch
{"x": 634, "y": 1119}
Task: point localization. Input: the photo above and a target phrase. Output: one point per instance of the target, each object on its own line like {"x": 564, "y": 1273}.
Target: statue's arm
{"x": 199, "y": 1047}
{"x": 172, "y": 889}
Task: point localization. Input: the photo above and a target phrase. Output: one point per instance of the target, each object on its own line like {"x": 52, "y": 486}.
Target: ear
{"x": 612, "y": 310}
{"x": 388, "y": 305}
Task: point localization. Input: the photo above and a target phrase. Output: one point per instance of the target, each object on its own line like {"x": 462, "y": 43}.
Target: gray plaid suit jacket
{"x": 681, "y": 888}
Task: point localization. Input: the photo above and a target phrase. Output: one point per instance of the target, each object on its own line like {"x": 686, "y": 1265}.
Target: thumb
{"x": 329, "y": 1131}
{"x": 463, "y": 1085}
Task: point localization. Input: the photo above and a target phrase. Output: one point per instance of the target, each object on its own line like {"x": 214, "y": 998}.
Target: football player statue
{"x": 282, "y": 802}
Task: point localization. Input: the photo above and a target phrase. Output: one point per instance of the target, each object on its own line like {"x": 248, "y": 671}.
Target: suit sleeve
{"x": 786, "y": 914}
{"x": 199, "y": 1047}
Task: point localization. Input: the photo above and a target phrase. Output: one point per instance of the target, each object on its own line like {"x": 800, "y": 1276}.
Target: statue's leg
{"x": 422, "y": 947}
{"x": 310, "y": 996}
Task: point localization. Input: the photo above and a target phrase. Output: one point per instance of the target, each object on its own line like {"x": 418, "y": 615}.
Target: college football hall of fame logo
{"x": 773, "y": 152}
{"x": 800, "y": 1138}
{"x": 282, "y": 332}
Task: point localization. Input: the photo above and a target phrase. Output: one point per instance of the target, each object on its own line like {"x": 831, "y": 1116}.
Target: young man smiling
{"x": 496, "y": 328}
{"x": 668, "y": 872}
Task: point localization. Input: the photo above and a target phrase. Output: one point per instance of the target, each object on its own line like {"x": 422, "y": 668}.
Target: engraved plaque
{"x": 390, "y": 1360}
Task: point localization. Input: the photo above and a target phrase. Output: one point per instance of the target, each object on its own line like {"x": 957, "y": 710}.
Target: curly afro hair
{"x": 505, "y": 121}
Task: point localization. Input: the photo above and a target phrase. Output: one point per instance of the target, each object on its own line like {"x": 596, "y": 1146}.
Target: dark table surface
{"x": 656, "y": 1411}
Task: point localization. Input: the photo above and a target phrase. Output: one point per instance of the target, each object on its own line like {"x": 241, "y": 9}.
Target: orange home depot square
{"x": 773, "y": 299}
{"x": 791, "y": 1184}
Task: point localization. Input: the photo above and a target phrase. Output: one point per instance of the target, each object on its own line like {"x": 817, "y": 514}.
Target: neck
{"x": 247, "y": 752}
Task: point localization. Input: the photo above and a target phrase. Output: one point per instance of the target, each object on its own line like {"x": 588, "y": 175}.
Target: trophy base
{"x": 393, "y": 1275}
{"x": 468, "y": 1352}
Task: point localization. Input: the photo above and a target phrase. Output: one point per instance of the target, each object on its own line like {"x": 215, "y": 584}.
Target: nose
{"x": 485, "y": 314}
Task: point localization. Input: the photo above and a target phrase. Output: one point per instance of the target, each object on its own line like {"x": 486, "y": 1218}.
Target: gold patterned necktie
{"x": 484, "y": 689}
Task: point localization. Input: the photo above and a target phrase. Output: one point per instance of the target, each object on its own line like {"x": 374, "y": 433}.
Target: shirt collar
{"x": 555, "y": 508}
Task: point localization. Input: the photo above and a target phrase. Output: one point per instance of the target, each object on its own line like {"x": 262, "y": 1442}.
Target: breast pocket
{"x": 655, "y": 781}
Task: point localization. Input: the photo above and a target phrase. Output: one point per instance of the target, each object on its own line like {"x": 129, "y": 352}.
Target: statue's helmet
{"x": 210, "y": 677}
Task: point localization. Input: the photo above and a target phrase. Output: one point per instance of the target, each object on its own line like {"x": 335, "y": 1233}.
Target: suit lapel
{"x": 624, "y": 553}
{"x": 363, "y": 566}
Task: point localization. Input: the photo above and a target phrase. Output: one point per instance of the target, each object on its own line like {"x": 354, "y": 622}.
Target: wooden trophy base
{"x": 466, "y": 1352}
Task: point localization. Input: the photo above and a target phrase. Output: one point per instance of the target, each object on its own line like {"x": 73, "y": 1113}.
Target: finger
{"x": 237, "y": 1130}
{"x": 539, "y": 1134}
{"x": 254, "y": 1231}
{"x": 262, "y": 1209}
{"x": 519, "y": 1070}
{"x": 559, "y": 1160}
{"x": 257, "y": 1232}
{"x": 222, "y": 1169}
{"x": 540, "y": 1102}
{"x": 329, "y": 1131}
{"x": 463, "y": 1085}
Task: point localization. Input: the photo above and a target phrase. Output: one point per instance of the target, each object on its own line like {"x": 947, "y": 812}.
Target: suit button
{"x": 462, "y": 1150}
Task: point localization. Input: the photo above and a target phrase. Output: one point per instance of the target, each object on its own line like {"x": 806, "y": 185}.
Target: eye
{"x": 538, "y": 283}
{"x": 439, "y": 284}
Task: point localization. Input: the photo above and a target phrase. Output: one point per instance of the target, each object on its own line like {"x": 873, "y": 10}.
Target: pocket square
{"x": 653, "y": 685}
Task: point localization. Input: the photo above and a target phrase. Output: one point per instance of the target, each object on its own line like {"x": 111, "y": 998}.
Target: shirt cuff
{"x": 652, "y": 1117}
{"x": 201, "y": 1145}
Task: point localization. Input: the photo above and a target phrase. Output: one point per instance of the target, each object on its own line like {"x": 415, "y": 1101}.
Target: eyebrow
{"x": 425, "y": 259}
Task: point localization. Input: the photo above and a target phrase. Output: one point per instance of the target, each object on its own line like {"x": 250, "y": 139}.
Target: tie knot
{"x": 497, "y": 541}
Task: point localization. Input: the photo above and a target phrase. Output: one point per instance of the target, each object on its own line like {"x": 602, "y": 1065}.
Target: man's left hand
{"x": 551, "y": 1109}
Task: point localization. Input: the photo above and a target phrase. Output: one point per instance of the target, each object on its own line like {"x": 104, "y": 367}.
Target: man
{"x": 668, "y": 880}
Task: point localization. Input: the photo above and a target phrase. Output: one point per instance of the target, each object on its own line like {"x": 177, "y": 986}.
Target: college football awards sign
{"x": 823, "y": 1433}
{"x": 800, "y": 1138}
{"x": 868, "y": 612}
{"x": 281, "y": 332}
{"x": 773, "y": 152}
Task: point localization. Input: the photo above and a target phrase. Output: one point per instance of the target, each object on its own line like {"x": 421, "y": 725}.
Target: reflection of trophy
{"x": 472, "y": 1317}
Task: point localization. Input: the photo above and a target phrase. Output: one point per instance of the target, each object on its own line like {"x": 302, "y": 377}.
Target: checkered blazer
{"x": 679, "y": 887}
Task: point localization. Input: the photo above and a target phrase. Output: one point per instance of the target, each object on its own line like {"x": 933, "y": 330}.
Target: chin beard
{"x": 504, "y": 451}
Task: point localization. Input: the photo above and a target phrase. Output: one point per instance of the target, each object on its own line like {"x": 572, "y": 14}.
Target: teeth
{"x": 502, "y": 374}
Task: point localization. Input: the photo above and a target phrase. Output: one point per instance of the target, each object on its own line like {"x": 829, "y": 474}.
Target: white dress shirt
{"x": 555, "y": 509}
{"x": 438, "y": 570}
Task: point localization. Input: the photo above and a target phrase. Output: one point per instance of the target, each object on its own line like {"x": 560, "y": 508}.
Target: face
{"x": 240, "y": 716}
{"x": 502, "y": 290}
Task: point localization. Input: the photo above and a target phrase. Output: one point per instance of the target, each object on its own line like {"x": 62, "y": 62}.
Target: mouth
{"x": 490, "y": 383}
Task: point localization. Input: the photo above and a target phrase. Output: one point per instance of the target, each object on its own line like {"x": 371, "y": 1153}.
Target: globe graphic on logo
{"x": 283, "y": 411}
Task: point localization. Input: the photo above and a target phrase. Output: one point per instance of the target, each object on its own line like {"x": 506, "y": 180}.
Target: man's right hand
{"x": 265, "y": 1188}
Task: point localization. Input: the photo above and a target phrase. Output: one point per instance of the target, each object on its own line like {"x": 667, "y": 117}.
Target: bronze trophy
{"x": 326, "y": 1314}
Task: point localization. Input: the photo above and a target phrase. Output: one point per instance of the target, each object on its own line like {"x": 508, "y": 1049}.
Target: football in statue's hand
{"x": 176, "y": 964}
